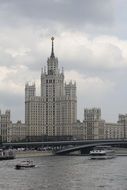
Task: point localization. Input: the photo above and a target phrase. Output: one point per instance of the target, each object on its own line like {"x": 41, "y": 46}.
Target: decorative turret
{"x": 30, "y": 91}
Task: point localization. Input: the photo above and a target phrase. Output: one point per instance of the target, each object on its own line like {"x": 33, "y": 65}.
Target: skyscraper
{"x": 54, "y": 112}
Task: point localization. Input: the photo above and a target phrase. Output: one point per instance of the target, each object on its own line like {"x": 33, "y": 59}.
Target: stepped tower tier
{"x": 52, "y": 80}
{"x": 52, "y": 61}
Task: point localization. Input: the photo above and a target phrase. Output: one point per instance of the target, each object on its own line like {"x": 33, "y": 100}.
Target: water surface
{"x": 65, "y": 173}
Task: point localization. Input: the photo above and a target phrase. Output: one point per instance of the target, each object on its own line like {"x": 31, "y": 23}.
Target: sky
{"x": 90, "y": 43}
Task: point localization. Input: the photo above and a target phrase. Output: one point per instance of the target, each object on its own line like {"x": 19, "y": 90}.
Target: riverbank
{"x": 121, "y": 151}
{"x": 32, "y": 153}
{"x": 35, "y": 153}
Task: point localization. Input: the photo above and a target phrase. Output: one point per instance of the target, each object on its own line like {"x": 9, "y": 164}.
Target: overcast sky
{"x": 90, "y": 43}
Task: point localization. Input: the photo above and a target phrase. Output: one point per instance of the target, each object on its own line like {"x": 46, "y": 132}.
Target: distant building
{"x": 11, "y": 132}
{"x": 116, "y": 130}
{"x": 78, "y": 131}
{"x": 93, "y": 124}
{"x": 54, "y": 112}
{"x": 18, "y": 132}
{"x": 113, "y": 131}
{"x": 5, "y": 125}
{"x": 122, "y": 120}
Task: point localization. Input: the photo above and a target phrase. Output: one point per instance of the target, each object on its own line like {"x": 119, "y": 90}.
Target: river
{"x": 65, "y": 173}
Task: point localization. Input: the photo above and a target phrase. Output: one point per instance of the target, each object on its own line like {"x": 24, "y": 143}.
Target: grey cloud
{"x": 5, "y": 59}
{"x": 8, "y": 99}
{"x": 67, "y": 11}
{"x": 46, "y": 14}
{"x": 13, "y": 102}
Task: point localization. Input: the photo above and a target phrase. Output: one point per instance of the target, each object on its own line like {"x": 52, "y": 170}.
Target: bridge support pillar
{"x": 85, "y": 151}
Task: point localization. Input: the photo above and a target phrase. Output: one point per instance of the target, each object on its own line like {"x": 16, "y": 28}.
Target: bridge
{"x": 85, "y": 149}
{"x": 66, "y": 147}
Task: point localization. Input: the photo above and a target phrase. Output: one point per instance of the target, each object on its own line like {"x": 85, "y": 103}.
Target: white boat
{"x": 102, "y": 152}
{"x": 25, "y": 164}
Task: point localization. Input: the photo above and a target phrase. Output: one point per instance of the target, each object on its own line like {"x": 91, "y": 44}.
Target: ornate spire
{"x": 52, "y": 52}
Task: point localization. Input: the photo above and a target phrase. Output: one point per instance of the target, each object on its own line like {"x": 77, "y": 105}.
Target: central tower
{"x": 54, "y": 112}
{"x": 52, "y": 90}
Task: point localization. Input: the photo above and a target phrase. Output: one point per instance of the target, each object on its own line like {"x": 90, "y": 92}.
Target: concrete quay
{"x": 32, "y": 153}
{"x": 121, "y": 151}
{"x": 35, "y": 153}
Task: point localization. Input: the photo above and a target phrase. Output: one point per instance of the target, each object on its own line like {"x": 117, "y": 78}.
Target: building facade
{"x": 78, "y": 131}
{"x": 93, "y": 124}
{"x": 54, "y": 112}
{"x": 18, "y": 132}
{"x": 113, "y": 131}
{"x": 5, "y": 125}
{"x": 122, "y": 121}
